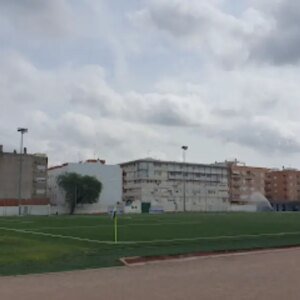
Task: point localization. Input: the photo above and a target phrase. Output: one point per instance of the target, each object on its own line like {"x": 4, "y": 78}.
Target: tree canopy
{"x": 79, "y": 189}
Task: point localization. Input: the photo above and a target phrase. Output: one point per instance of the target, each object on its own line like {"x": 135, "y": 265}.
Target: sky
{"x": 123, "y": 80}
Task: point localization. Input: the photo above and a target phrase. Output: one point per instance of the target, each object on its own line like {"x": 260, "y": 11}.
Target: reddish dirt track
{"x": 269, "y": 275}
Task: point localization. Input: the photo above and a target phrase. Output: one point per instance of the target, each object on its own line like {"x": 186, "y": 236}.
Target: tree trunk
{"x": 72, "y": 207}
{"x": 73, "y": 203}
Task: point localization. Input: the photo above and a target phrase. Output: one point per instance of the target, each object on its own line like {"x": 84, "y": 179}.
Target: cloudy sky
{"x": 122, "y": 80}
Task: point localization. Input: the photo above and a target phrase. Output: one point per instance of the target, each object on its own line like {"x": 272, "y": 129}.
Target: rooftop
{"x": 149, "y": 159}
{"x": 101, "y": 161}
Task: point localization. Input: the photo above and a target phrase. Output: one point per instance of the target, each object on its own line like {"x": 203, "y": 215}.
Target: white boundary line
{"x": 120, "y": 225}
{"x": 151, "y": 241}
{"x": 57, "y": 236}
{"x": 223, "y": 237}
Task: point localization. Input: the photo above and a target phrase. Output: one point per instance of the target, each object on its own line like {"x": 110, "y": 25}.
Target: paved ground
{"x": 273, "y": 275}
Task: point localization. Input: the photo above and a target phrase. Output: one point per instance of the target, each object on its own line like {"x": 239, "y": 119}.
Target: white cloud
{"x": 201, "y": 26}
{"x": 187, "y": 72}
{"x": 81, "y": 112}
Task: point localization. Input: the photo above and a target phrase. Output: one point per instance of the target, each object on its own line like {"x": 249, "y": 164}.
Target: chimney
{"x": 1, "y": 148}
{"x": 25, "y": 150}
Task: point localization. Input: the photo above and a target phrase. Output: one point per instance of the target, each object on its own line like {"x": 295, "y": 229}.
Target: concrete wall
{"x": 243, "y": 208}
{"x": 109, "y": 175}
{"x": 9, "y": 211}
{"x": 134, "y": 208}
{"x": 34, "y": 176}
{"x": 30, "y": 210}
{"x": 37, "y": 210}
{"x": 9, "y": 176}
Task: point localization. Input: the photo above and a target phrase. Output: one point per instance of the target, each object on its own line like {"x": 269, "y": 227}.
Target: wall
{"x": 9, "y": 176}
{"x": 9, "y": 211}
{"x": 38, "y": 210}
{"x": 34, "y": 176}
{"x": 30, "y": 210}
{"x": 243, "y": 208}
{"x": 133, "y": 208}
{"x": 109, "y": 175}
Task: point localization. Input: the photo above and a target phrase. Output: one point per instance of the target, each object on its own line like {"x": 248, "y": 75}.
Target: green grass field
{"x": 57, "y": 243}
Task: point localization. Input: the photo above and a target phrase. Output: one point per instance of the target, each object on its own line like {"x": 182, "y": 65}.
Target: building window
{"x": 41, "y": 167}
{"x": 40, "y": 179}
{"x": 40, "y": 191}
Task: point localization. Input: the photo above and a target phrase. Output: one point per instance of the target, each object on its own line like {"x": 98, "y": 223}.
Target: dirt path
{"x": 272, "y": 275}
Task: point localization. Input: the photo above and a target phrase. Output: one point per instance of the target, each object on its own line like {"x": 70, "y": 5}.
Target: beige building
{"x": 283, "y": 186}
{"x": 245, "y": 180}
{"x": 34, "y": 183}
{"x": 155, "y": 185}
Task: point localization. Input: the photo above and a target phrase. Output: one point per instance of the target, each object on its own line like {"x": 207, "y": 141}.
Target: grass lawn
{"x": 59, "y": 243}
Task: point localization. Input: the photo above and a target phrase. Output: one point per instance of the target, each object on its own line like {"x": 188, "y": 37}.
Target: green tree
{"x": 79, "y": 189}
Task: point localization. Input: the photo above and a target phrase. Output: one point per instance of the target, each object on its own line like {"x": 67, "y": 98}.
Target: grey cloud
{"x": 279, "y": 47}
{"x": 200, "y": 26}
{"x": 156, "y": 109}
{"x": 260, "y": 137}
{"x": 188, "y": 18}
{"x": 83, "y": 99}
{"x": 35, "y": 17}
{"x": 281, "y": 44}
{"x": 268, "y": 33}
{"x": 178, "y": 19}
{"x": 164, "y": 112}
{"x": 229, "y": 113}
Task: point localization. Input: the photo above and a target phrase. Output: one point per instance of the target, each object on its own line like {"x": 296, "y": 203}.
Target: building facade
{"x": 109, "y": 175}
{"x": 245, "y": 181}
{"x": 172, "y": 186}
{"x": 33, "y": 198}
{"x": 283, "y": 186}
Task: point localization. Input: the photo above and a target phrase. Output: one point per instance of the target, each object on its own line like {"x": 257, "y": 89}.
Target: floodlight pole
{"x": 22, "y": 131}
{"x": 184, "y": 149}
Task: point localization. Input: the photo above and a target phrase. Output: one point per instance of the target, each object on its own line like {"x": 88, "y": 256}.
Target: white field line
{"x": 109, "y": 225}
{"x": 217, "y": 237}
{"x": 120, "y": 225}
{"x": 56, "y": 235}
{"x": 152, "y": 241}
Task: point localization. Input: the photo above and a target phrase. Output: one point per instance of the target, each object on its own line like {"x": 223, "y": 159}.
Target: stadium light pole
{"x": 22, "y": 131}
{"x": 184, "y": 149}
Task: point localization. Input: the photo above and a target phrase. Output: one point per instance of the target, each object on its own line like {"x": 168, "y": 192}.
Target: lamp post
{"x": 22, "y": 131}
{"x": 184, "y": 149}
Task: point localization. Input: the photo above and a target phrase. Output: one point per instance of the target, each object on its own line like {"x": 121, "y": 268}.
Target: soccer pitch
{"x": 59, "y": 243}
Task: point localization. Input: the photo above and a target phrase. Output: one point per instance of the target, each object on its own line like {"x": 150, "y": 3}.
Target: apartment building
{"x": 283, "y": 186}
{"x": 245, "y": 181}
{"x": 174, "y": 186}
{"x": 34, "y": 183}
